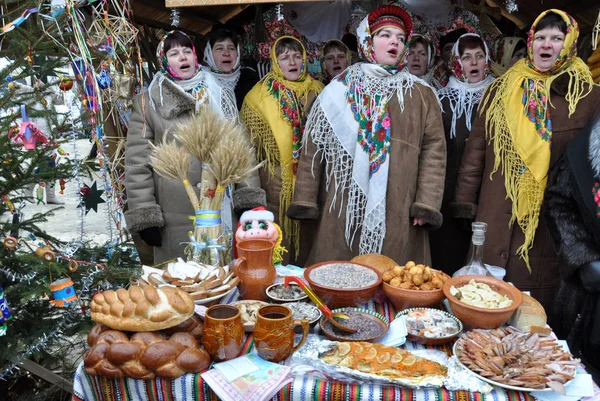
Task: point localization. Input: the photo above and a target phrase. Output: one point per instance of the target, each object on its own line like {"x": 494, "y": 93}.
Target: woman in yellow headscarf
{"x": 527, "y": 117}
{"x": 274, "y": 112}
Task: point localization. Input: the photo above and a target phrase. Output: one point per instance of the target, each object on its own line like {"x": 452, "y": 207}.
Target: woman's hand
{"x": 418, "y": 222}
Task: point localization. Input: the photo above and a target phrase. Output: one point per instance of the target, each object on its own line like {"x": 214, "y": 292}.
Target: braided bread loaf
{"x": 142, "y": 309}
{"x": 144, "y": 356}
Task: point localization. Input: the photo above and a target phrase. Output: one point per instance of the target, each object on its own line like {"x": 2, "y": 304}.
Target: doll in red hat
{"x": 258, "y": 223}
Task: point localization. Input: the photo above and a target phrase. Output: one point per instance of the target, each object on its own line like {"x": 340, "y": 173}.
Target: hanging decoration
{"x": 39, "y": 194}
{"x": 91, "y": 197}
{"x": 12, "y": 25}
{"x": 29, "y": 134}
{"x": 46, "y": 253}
{"x": 63, "y": 292}
{"x": 65, "y": 84}
{"x": 511, "y": 6}
{"x": 6, "y": 314}
{"x": 6, "y": 200}
{"x": 175, "y": 17}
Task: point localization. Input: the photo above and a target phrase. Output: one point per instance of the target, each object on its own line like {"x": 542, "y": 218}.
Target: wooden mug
{"x": 274, "y": 332}
{"x": 223, "y": 333}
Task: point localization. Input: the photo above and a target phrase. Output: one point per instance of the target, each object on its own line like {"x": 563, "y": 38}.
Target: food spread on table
{"x": 430, "y": 323}
{"x": 480, "y": 295}
{"x": 509, "y": 356}
{"x": 414, "y": 276}
{"x": 381, "y": 360}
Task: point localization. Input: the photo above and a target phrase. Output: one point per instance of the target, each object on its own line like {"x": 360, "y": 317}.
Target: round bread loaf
{"x": 376, "y": 261}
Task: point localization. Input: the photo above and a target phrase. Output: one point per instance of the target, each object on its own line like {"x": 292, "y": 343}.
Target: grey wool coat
{"x": 155, "y": 201}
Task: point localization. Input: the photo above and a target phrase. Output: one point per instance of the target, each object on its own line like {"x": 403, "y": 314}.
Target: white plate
{"x": 208, "y": 300}
{"x": 495, "y": 383}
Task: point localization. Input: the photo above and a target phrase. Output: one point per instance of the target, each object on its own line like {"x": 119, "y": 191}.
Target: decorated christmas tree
{"x": 50, "y": 55}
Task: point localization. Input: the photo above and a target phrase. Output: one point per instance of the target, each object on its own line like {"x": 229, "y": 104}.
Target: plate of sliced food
{"x": 516, "y": 360}
{"x": 204, "y": 283}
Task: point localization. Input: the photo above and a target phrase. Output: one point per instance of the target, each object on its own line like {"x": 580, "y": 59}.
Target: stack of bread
{"x": 144, "y": 333}
{"x": 530, "y": 316}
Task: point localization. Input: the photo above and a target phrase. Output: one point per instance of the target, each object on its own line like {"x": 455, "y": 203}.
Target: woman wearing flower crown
{"x": 527, "y": 118}
{"x": 158, "y": 208}
{"x": 274, "y": 112}
{"x": 470, "y": 68}
{"x": 374, "y": 155}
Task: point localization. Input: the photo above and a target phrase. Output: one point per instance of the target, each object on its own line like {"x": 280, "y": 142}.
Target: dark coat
{"x": 573, "y": 217}
{"x": 248, "y": 78}
{"x": 484, "y": 198}
{"x": 450, "y": 243}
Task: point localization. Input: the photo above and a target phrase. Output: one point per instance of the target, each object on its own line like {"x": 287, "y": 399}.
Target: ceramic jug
{"x": 274, "y": 332}
{"x": 223, "y": 332}
{"x": 254, "y": 268}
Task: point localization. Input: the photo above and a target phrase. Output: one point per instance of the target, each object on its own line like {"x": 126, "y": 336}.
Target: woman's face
{"x": 518, "y": 55}
{"x": 225, "y": 55}
{"x": 417, "y": 59}
{"x": 335, "y": 61}
{"x": 387, "y": 45}
{"x": 547, "y": 44}
{"x": 182, "y": 61}
{"x": 290, "y": 63}
{"x": 473, "y": 64}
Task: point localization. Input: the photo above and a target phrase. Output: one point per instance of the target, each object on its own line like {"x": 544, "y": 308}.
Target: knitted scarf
{"x": 273, "y": 112}
{"x": 519, "y": 124}
{"x": 462, "y": 95}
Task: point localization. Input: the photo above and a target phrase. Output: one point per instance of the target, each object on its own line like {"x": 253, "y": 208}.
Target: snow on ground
{"x": 66, "y": 223}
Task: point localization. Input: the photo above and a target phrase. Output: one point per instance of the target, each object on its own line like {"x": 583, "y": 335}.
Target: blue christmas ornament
{"x": 104, "y": 80}
{"x": 9, "y": 79}
{"x": 6, "y": 315}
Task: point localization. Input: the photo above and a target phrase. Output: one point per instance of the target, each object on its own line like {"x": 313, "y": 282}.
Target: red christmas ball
{"x": 65, "y": 84}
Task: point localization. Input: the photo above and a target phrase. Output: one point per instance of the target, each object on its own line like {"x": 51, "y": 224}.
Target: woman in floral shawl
{"x": 274, "y": 112}
{"x": 372, "y": 170}
{"x": 527, "y": 118}
{"x": 470, "y": 68}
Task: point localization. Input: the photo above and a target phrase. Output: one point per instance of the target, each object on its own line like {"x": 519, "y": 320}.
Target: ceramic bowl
{"x": 342, "y": 297}
{"x": 275, "y": 299}
{"x": 429, "y": 340}
{"x": 255, "y": 305}
{"x": 474, "y": 317}
{"x": 381, "y": 320}
{"x": 403, "y": 299}
{"x": 314, "y": 321}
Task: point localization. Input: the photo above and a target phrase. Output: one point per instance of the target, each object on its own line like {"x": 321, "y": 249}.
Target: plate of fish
{"x": 430, "y": 326}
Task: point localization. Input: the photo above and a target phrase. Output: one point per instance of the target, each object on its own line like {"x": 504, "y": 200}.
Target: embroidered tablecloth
{"x": 191, "y": 387}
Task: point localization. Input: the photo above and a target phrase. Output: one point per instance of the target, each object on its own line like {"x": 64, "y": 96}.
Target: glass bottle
{"x": 475, "y": 265}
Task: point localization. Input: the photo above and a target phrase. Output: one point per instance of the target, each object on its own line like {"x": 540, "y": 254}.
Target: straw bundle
{"x": 227, "y": 157}
{"x": 171, "y": 161}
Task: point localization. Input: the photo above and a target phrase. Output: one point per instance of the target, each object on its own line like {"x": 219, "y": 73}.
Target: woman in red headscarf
{"x": 375, "y": 140}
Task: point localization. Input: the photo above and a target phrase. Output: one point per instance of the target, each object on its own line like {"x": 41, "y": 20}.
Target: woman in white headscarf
{"x": 470, "y": 69}
{"x": 222, "y": 55}
{"x": 374, "y": 145}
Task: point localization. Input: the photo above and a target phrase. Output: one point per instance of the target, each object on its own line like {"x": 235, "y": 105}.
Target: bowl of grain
{"x": 341, "y": 283}
{"x": 279, "y": 293}
{"x": 303, "y": 310}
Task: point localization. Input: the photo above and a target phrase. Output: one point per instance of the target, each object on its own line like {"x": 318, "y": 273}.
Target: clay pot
{"x": 342, "y": 297}
{"x": 474, "y": 317}
{"x": 403, "y": 299}
{"x": 223, "y": 332}
{"x": 274, "y": 332}
{"x": 254, "y": 268}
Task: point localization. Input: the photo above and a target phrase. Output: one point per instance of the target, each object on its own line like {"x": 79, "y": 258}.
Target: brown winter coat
{"x": 415, "y": 186}
{"x": 450, "y": 244}
{"x": 483, "y": 198}
{"x": 155, "y": 201}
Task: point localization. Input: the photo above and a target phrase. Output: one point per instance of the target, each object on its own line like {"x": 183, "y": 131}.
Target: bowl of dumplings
{"x": 414, "y": 285}
{"x": 482, "y": 302}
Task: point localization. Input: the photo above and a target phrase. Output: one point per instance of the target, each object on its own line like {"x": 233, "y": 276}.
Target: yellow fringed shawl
{"x": 273, "y": 112}
{"x": 519, "y": 124}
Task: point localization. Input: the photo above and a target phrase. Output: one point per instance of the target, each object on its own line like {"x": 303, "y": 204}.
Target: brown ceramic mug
{"x": 223, "y": 332}
{"x": 274, "y": 332}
